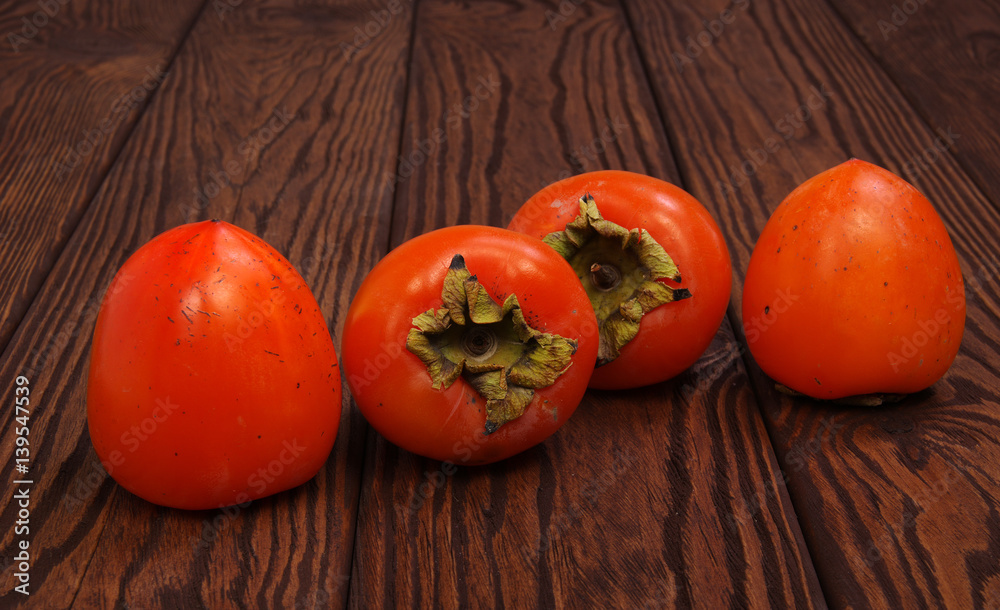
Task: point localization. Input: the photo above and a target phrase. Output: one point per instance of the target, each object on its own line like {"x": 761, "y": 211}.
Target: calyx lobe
{"x": 488, "y": 344}
{"x": 621, "y": 271}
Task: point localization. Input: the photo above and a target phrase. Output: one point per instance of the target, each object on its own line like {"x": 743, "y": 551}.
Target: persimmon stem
{"x": 605, "y": 277}
{"x": 479, "y": 342}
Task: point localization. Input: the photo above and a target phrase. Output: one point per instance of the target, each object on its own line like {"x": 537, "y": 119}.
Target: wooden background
{"x": 121, "y": 119}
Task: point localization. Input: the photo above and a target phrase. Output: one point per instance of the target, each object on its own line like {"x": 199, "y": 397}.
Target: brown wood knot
{"x": 898, "y": 425}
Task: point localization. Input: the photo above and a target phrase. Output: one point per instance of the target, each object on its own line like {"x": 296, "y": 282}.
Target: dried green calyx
{"x": 489, "y": 345}
{"x": 620, "y": 270}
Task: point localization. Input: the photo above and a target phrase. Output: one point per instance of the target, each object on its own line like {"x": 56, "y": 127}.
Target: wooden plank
{"x": 899, "y": 504}
{"x": 306, "y": 186}
{"x": 75, "y": 80}
{"x": 943, "y": 57}
{"x": 630, "y": 503}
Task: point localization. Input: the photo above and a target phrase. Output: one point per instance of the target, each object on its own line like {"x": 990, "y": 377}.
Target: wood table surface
{"x": 338, "y": 130}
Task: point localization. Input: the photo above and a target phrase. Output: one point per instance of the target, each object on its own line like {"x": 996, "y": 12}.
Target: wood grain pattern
{"x": 898, "y": 504}
{"x": 945, "y": 58}
{"x": 306, "y": 187}
{"x": 73, "y": 89}
{"x": 632, "y": 502}
{"x": 337, "y": 129}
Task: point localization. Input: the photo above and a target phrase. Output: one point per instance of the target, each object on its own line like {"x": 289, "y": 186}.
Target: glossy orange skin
{"x": 862, "y": 285}
{"x": 673, "y": 336}
{"x": 213, "y": 378}
{"x": 392, "y": 386}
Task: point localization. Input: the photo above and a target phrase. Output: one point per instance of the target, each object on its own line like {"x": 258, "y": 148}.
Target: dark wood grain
{"x": 899, "y": 505}
{"x": 630, "y": 504}
{"x": 307, "y": 188}
{"x": 337, "y": 129}
{"x": 72, "y": 91}
{"x": 945, "y": 58}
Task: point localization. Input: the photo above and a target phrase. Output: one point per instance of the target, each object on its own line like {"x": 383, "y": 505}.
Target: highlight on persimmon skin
{"x": 213, "y": 378}
{"x": 469, "y": 344}
{"x": 659, "y": 307}
{"x": 854, "y": 290}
